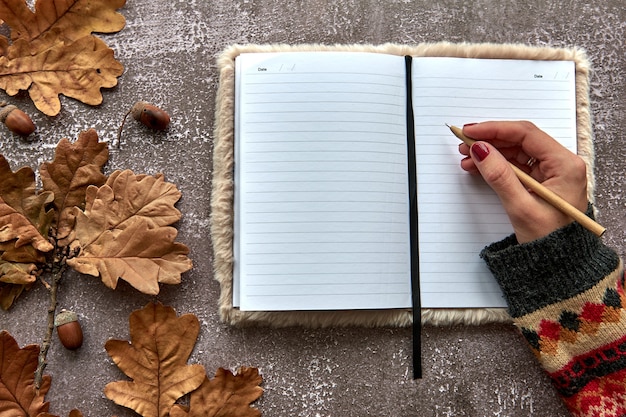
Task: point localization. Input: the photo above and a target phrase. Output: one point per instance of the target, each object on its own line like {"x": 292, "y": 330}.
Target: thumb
{"x": 496, "y": 171}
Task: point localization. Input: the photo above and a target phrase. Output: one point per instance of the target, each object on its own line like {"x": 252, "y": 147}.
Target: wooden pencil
{"x": 543, "y": 192}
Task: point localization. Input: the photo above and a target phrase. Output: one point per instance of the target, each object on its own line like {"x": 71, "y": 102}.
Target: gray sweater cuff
{"x": 556, "y": 267}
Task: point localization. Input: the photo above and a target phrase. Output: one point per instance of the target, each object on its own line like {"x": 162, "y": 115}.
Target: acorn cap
{"x": 64, "y": 317}
{"x": 137, "y": 108}
{"x": 4, "y": 112}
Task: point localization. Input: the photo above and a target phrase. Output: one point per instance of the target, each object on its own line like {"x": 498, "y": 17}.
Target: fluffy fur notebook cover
{"x": 222, "y": 180}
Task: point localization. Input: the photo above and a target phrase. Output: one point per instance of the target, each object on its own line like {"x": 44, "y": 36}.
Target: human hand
{"x": 539, "y": 155}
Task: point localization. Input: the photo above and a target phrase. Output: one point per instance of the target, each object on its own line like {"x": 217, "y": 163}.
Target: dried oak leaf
{"x": 127, "y": 196}
{"x": 78, "y": 70}
{"x": 9, "y": 293}
{"x": 53, "y": 52}
{"x": 23, "y": 215}
{"x": 156, "y": 359}
{"x": 74, "y": 18}
{"x": 74, "y": 168}
{"x": 225, "y": 395}
{"x": 18, "y": 266}
{"x": 24, "y": 254}
{"x": 124, "y": 233}
{"x": 16, "y": 273}
{"x": 18, "y": 269}
{"x": 18, "y": 396}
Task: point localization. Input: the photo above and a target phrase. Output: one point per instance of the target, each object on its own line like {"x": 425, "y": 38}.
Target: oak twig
{"x": 57, "y": 269}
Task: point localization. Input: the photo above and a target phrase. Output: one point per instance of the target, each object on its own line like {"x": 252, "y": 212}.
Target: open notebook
{"x": 322, "y": 189}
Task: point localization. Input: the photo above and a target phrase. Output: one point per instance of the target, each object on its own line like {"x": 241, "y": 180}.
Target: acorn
{"x": 16, "y": 120}
{"x": 150, "y": 115}
{"x": 68, "y": 329}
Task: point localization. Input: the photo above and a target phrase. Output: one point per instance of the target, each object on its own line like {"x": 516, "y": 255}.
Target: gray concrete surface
{"x": 168, "y": 49}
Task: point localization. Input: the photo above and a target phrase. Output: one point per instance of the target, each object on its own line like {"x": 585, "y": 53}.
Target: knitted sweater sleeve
{"x": 565, "y": 294}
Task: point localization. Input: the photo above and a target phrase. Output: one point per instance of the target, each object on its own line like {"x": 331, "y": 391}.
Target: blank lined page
{"x": 458, "y": 213}
{"x": 321, "y": 200}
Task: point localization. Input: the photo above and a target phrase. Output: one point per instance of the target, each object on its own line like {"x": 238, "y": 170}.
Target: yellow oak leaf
{"x": 18, "y": 396}
{"x": 53, "y": 52}
{"x": 224, "y": 395}
{"x": 74, "y": 168}
{"x": 156, "y": 360}
{"x": 22, "y": 210}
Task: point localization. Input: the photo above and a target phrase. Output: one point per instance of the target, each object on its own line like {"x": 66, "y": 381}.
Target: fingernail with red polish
{"x": 480, "y": 151}
{"x": 469, "y": 124}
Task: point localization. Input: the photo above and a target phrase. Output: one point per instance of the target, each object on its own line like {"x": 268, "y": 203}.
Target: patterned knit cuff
{"x": 559, "y": 266}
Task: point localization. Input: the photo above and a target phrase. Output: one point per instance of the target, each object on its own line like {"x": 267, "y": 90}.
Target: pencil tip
{"x": 447, "y": 124}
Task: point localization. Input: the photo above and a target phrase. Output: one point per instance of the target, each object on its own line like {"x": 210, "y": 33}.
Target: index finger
{"x": 527, "y": 135}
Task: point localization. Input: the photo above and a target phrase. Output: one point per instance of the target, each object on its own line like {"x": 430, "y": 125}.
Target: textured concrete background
{"x": 168, "y": 49}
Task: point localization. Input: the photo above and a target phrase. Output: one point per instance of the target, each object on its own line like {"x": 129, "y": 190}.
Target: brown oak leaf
{"x": 18, "y": 271}
{"x": 156, "y": 360}
{"x": 127, "y": 196}
{"x": 124, "y": 233}
{"x": 18, "y": 266}
{"x": 74, "y": 168}
{"x": 225, "y": 395}
{"x": 9, "y": 293}
{"x": 23, "y": 254}
{"x": 73, "y": 18}
{"x": 53, "y": 52}
{"x": 140, "y": 256}
{"x": 22, "y": 210}
{"x": 18, "y": 396}
{"x": 78, "y": 70}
